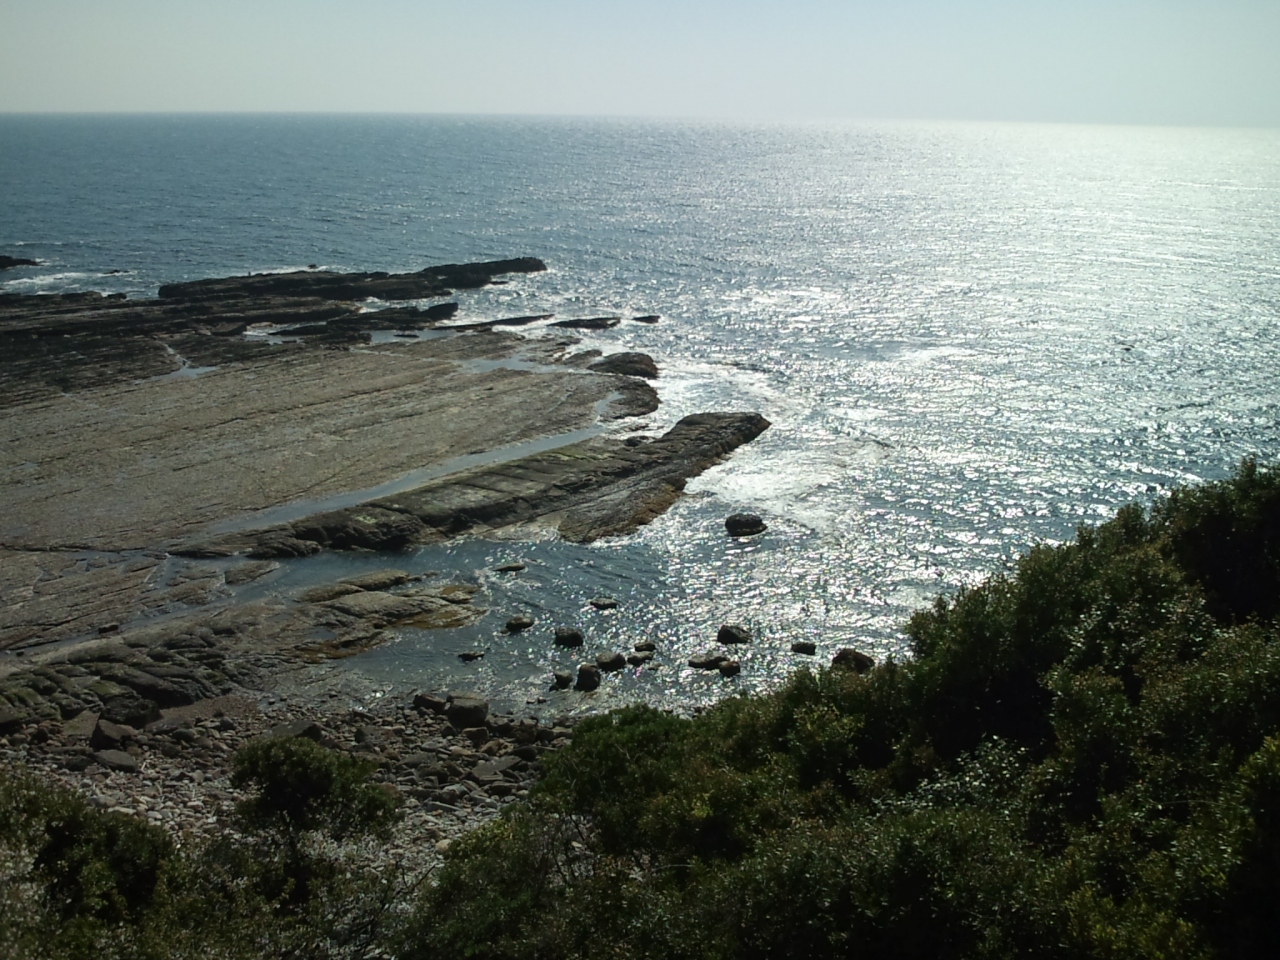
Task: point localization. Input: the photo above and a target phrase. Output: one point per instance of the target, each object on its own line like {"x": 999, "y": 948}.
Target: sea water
{"x": 969, "y": 338}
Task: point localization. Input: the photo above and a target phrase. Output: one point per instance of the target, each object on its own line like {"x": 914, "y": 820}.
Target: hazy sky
{"x": 1125, "y": 61}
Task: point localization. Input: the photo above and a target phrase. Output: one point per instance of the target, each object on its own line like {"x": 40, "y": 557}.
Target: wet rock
{"x": 640, "y": 659}
{"x": 526, "y": 730}
{"x": 465, "y": 711}
{"x": 267, "y": 546}
{"x": 430, "y": 282}
{"x": 708, "y": 661}
{"x": 588, "y": 677}
{"x": 604, "y": 603}
{"x": 568, "y": 637}
{"x": 646, "y": 646}
{"x": 561, "y": 681}
{"x": 627, "y": 364}
{"x": 365, "y": 528}
{"x": 647, "y": 318}
{"x": 807, "y": 647}
{"x": 609, "y": 662}
{"x": 327, "y": 592}
{"x": 248, "y": 572}
{"x": 733, "y": 633}
{"x": 850, "y": 659}
{"x": 744, "y": 525}
{"x": 477, "y": 735}
{"x": 471, "y": 656}
{"x": 588, "y": 323}
{"x": 117, "y": 760}
{"x": 8, "y": 263}
{"x": 514, "y": 567}
{"x": 519, "y": 622}
{"x": 378, "y": 580}
{"x": 730, "y": 668}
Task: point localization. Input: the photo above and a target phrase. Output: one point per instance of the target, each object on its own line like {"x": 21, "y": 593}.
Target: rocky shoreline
{"x": 164, "y": 455}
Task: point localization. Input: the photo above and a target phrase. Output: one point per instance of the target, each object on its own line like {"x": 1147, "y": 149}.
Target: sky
{"x": 1183, "y": 62}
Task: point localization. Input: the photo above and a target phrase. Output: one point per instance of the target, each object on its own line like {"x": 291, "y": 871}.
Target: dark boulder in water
{"x": 733, "y": 633}
{"x": 744, "y": 525}
{"x": 8, "y": 262}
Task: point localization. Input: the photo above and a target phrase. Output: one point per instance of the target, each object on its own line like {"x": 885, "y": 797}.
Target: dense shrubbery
{"x": 81, "y": 882}
{"x": 1081, "y": 759}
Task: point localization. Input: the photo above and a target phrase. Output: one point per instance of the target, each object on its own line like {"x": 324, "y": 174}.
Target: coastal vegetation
{"x": 1080, "y": 758}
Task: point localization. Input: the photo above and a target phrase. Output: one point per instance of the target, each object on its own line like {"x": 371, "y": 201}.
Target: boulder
{"x": 520, "y": 621}
{"x": 807, "y": 647}
{"x": 609, "y": 662}
{"x": 730, "y": 668}
{"x": 850, "y": 659}
{"x": 640, "y": 659}
{"x": 588, "y": 677}
{"x": 744, "y": 525}
{"x": 466, "y": 711}
{"x": 298, "y": 728}
{"x": 117, "y": 760}
{"x": 7, "y": 263}
{"x": 733, "y": 633}
{"x": 561, "y": 681}
{"x": 627, "y": 364}
{"x": 110, "y": 736}
{"x": 604, "y": 603}
{"x": 478, "y": 736}
{"x": 426, "y": 702}
{"x": 515, "y": 567}
{"x": 471, "y": 656}
{"x": 646, "y": 646}
{"x": 647, "y": 318}
{"x": 568, "y": 637}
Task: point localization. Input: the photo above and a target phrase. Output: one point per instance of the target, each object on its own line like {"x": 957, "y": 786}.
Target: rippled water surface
{"x": 969, "y": 338}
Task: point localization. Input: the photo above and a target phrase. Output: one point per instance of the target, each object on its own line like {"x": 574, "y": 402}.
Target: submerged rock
{"x": 519, "y": 622}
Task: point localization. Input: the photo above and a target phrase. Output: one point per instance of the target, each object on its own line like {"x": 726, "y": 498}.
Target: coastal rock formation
{"x": 7, "y": 263}
{"x": 627, "y": 364}
{"x": 438, "y": 281}
{"x": 149, "y": 441}
{"x": 592, "y": 489}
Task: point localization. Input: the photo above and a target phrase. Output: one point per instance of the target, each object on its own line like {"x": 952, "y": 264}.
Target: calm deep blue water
{"x": 969, "y": 338}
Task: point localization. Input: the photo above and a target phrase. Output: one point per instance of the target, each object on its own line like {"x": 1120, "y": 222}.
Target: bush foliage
{"x": 1080, "y": 759}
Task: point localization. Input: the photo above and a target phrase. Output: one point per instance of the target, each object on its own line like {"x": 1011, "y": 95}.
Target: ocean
{"x": 969, "y": 338}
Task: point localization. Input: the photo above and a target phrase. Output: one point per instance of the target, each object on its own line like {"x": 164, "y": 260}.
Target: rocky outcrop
{"x": 596, "y": 488}
{"x": 589, "y": 323}
{"x": 439, "y": 281}
{"x": 7, "y": 263}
